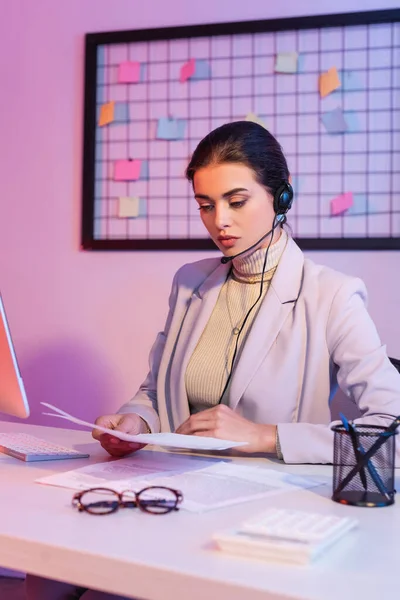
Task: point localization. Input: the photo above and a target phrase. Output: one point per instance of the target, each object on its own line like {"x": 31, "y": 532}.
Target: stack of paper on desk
{"x": 205, "y": 483}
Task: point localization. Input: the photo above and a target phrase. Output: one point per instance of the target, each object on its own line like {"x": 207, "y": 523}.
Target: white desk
{"x": 171, "y": 557}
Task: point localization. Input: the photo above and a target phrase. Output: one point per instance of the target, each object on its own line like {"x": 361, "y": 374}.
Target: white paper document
{"x": 205, "y": 483}
{"x": 166, "y": 440}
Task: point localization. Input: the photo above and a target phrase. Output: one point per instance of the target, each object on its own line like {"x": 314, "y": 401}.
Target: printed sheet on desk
{"x": 206, "y": 483}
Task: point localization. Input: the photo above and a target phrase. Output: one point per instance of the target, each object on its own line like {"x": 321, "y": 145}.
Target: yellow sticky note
{"x": 128, "y": 207}
{"x": 106, "y": 113}
{"x": 286, "y": 62}
{"x": 329, "y": 82}
{"x": 253, "y": 117}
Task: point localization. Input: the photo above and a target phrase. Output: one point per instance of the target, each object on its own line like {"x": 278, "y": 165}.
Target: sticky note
{"x": 329, "y": 82}
{"x": 295, "y": 182}
{"x": 121, "y": 112}
{"x": 350, "y": 81}
{"x": 106, "y": 114}
{"x": 187, "y": 70}
{"x": 127, "y": 170}
{"x": 360, "y": 205}
{"x": 334, "y": 121}
{"x": 286, "y": 62}
{"x": 341, "y": 203}
{"x": 254, "y": 118}
{"x": 144, "y": 169}
{"x": 128, "y": 207}
{"x": 129, "y": 72}
{"x": 352, "y": 121}
{"x": 202, "y": 69}
{"x": 170, "y": 129}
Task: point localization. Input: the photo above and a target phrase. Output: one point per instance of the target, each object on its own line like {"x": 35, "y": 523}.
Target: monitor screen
{"x": 13, "y": 400}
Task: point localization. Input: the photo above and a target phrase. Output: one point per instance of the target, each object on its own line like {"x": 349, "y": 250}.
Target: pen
{"x": 353, "y": 436}
{"x": 391, "y": 430}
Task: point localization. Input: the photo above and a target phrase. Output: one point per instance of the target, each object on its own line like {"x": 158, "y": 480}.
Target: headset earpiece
{"x": 283, "y": 198}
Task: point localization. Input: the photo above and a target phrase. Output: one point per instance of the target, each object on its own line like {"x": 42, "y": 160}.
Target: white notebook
{"x": 284, "y": 535}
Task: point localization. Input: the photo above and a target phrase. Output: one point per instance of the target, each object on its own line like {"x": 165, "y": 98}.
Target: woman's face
{"x": 235, "y": 209}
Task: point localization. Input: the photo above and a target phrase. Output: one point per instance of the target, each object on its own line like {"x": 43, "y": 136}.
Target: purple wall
{"x": 83, "y": 323}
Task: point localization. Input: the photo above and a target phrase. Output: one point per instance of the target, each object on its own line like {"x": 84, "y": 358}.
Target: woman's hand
{"x": 129, "y": 423}
{"x": 223, "y": 423}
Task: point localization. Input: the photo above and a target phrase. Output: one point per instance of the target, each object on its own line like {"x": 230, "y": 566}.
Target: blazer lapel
{"x": 274, "y": 310}
{"x": 201, "y": 306}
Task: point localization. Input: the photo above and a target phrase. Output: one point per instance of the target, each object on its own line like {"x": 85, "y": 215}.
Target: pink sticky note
{"x": 341, "y": 203}
{"x": 187, "y": 70}
{"x": 127, "y": 170}
{"x": 129, "y": 72}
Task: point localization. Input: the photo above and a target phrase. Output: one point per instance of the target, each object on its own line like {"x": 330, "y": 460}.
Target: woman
{"x": 254, "y": 349}
{"x": 255, "y": 345}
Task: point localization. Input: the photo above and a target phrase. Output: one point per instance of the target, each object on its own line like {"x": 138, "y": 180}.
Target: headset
{"x": 283, "y": 200}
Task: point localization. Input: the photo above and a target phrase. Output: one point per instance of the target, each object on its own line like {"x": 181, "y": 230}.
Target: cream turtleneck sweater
{"x": 210, "y": 363}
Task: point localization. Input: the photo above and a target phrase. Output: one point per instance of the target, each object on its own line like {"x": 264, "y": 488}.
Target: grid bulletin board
{"x": 151, "y": 95}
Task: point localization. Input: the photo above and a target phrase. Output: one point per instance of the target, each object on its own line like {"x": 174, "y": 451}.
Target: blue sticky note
{"x": 202, "y": 70}
{"x": 301, "y": 63}
{"x": 352, "y": 121}
{"x": 170, "y": 129}
{"x": 144, "y": 170}
{"x": 143, "y": 71}
{"x": 350, "y": 81}
{"x": 296, "y": 184}
{"x": 142, "y": 212}
{"x": 121, "y": 113}
{"x": 359, "y": 206}
{"x": 334, "y": 121}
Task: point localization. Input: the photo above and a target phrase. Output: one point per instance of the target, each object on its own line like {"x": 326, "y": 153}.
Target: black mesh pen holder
{"x": 363, "y": 465}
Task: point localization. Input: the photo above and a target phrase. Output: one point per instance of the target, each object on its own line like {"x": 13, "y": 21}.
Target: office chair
{"x": 341, "y": 403}
{"x": 395, "y": 362}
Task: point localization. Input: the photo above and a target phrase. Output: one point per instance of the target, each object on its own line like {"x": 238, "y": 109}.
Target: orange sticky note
{"x": 329, "y": 82}
{"x": 129, "y": 72}
{"x": 106, "y": 113}
{"x": 127, "y": 170}
{"x": 187, "y": 70}
{"x": 341, "y": 203}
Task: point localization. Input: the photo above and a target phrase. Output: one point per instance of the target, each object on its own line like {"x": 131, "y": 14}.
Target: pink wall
{"x": 83, "y": 323}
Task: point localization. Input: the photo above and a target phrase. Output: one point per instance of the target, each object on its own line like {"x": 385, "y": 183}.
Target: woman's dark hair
{"x": 247, "y": 143}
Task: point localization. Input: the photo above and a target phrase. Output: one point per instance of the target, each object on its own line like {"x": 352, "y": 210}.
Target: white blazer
{"x": 311, "y": 334}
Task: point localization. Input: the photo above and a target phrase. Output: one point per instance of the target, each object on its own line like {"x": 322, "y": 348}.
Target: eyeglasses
{"x": 103, "y": 501}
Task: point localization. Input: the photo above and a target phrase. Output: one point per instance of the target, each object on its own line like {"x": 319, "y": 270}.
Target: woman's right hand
{"x": 128, "y": 423}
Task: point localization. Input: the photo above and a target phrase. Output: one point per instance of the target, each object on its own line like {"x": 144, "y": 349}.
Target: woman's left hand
{"x": 223, "y": 423}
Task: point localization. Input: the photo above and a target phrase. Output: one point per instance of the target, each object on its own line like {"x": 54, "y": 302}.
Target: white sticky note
{"x": 286, "y": 62}
{"x": 128, "y": 207}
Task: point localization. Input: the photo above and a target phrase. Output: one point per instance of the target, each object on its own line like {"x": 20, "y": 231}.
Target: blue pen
{"x": 353, "y": 436}
{"x": 371, "y": 469}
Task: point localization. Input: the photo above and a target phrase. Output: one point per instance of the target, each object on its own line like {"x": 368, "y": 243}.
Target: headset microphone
{"x": 226, "y": 259}
{"x": 283, "y": 199}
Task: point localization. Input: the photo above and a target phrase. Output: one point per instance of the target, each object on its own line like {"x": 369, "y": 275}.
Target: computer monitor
{"x": 13, "y": 400}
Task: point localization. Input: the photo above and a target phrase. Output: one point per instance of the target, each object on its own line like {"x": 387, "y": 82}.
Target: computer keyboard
{"x": 30, "y": 448}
